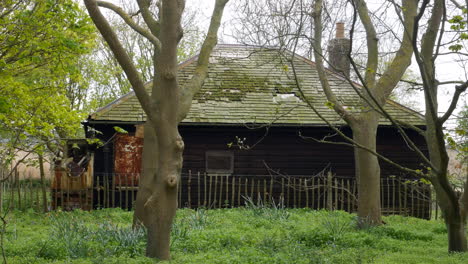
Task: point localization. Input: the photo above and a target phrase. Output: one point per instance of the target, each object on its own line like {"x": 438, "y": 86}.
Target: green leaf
{"x": 329, "y": 104}
{"x": 120, "y": 130}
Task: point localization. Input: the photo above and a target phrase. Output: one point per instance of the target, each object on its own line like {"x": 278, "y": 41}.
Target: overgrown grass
{"x": 254, "y": 234}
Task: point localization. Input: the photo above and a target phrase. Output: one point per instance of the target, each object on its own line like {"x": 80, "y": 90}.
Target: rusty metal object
{"x": 128, "y": 151}
{"x": 72, "y": 184}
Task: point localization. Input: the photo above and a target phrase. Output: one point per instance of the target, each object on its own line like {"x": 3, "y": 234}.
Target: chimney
{"x": 338, "y": 49}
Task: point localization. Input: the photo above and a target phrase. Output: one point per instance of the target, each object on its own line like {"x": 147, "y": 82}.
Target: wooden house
{"x": 249, "y": 134}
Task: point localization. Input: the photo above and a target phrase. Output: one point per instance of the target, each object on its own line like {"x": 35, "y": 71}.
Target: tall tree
{"x": 453, "y": 204}
{"x": 297, "y": 25}
{"x": 165, "y": 107}
{"x": 375, "y": 92}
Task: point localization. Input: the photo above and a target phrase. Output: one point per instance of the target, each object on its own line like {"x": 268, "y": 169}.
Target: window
{"x": 221, "y": 162}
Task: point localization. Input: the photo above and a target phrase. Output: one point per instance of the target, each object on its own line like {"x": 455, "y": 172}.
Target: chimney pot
{"x": 340, "y": 30}
{"x": 338, "y": 49}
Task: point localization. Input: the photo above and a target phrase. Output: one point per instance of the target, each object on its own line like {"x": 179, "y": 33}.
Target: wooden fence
{"x": 227, "y": 191}
{"x": 224, "y": 191}
{"x": 23, "y": 193}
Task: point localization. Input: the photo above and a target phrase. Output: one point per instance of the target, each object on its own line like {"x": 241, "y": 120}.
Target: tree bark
{"x": 367, "y": 170}
{"x": 156, "y": 201}
{"x": 456, "y": 235}
{"x": 455, "y": 219}
{"x": 451, "y": 204}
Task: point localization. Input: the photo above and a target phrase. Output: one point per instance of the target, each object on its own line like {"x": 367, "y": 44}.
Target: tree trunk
{"x": 454, "y": 217}
{"x": 456, "y": 235}
{"x": 367, "y": 171}
{"x": 148, "y": 168}
{"x": 156, "y": 201}
{"x": 450, "y": 203}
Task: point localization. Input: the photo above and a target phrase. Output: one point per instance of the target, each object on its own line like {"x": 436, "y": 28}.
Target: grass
{"x": 255, "y": 234}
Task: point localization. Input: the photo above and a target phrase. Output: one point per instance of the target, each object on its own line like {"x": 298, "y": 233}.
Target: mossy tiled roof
{"x": 253, "y": 85}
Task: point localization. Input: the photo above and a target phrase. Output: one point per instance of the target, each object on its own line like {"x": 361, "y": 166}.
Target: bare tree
{"x": 454, "y": 205}
{"x": 167, "y": 105}
{"x": 377, "y": 83}
{"x": 374, "y": 95}
{"x": 300, "y": 29}
{"x": 427, "y": 48}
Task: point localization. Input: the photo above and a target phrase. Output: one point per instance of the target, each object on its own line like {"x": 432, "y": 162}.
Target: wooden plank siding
{"x": 291, "y": 160}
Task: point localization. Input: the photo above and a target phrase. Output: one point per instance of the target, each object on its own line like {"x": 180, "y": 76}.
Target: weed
{"x": 198, "y": 219}
{"x": 335, "y": 225}
{"x": 79, "y": 240}
{"x": 270, "y": 210}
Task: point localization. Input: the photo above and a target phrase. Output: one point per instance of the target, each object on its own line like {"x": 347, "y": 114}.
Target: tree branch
{"x": 372, "y": 41}
{"x": 152, "y": 23}
{"x": 337, "y": 106}
{"x": 145, "y": 33}
{"x": 459, "y": 89}
{"x": 354, "y": 144}
{"x": 402, "y": 60}
{"x": 122, "y": 57}
{"x": 198, "y": 79}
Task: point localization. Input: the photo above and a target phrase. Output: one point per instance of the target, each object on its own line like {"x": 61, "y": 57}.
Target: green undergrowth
{"x": 254, "y": 234}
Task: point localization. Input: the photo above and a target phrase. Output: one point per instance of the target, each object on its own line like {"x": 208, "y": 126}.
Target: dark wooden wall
{"x": 280, "y": 149}
{"x": 264, "y": 152}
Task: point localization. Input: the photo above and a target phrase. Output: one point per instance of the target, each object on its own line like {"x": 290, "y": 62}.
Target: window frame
{"x": 220, "y": 153}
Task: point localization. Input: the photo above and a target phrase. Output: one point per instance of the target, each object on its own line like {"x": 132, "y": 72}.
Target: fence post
{"x": 405, "y": 198}
{"x": 342, "y": 194}
{"x": 189, "y": 188}
{"x": 239, "y": 192}
{"x": 204, "y": 189}
{"x": 313, "y": 193}
{"x": 348, "y": 186}
{"x": 258, "y": 190}
{"x": 393, "y": 196}
{"x": 198, "y": 191}
{"x": 299, "y": 202}
{"x": 252, "y": 189}
{"x": 98, "y": 187}
{"x": 220, "y": 203}
{"x": 335, "y": 181}
{"x": 215, "y": 201}
{"x": 329, "y": 191}
{"x": 294, "y": 192}
{"x": 233, "y": 191}
{"x": 306, "y": 193}
{"x": 227, "y": 191}
{"x": 246, "y": 187}
{"x": 282, "y": 191}
{"x": 288, "y": 190}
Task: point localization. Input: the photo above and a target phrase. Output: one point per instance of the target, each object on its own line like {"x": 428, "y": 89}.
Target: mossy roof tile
{"x": 255, "y": 85}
